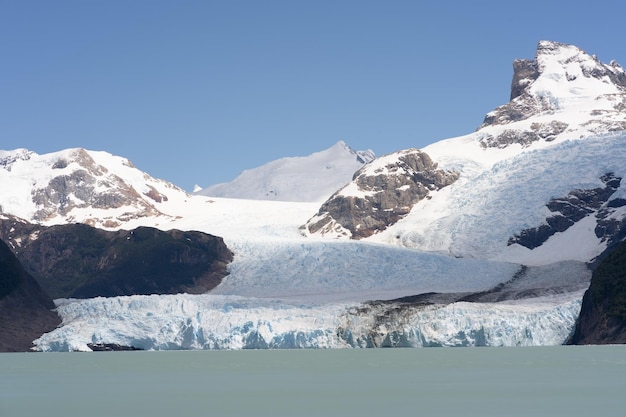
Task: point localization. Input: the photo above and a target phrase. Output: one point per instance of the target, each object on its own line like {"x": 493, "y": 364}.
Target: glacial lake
{"x": 524, "y": 381}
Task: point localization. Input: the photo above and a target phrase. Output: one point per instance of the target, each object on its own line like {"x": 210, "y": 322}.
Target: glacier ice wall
{"x": 168, "y": 322}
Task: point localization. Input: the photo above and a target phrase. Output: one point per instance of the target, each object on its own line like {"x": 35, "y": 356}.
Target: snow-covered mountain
{"x": 538, "y": 182}
{"x": 477, "y": 240}
{"x": 77, "y": 185}
{"x": 306, "y": 178}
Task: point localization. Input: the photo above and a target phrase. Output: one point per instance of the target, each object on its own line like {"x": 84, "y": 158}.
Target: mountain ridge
{"x": 306, "y": 178}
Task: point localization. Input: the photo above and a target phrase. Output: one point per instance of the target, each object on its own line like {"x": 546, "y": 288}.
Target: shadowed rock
{"x": 80, "y": 261}
{"x": 25, "y": 309}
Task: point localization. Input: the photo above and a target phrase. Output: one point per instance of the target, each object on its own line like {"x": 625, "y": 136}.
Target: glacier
{"x": 541, "y": 307}
{"x": 288, "y": 290}
{"x": 168, "y": 322}
{"x": 459, "y": 220}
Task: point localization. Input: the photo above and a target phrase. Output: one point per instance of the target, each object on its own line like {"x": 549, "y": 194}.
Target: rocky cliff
{"x": 80, "y": 261}
{"x": 381, "y": 193}
{"x": 25, "y": 309}
{"x": 578, "y": 204}
{"x": 603, "y": 314}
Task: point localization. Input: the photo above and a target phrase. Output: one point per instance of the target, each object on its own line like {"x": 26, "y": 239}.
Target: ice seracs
{"x": 215, "y": 322}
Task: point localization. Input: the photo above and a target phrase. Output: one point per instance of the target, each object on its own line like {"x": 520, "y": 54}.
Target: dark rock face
{"x": 577, "y": 205}
{"x": 385, "y": 195}
{"x": 80, "y": 261}
{"x": 25, "y": 310}
{"x": 110, "y": 347}
{"x": 602, "y": 317}
{"x": 525, "y": 71}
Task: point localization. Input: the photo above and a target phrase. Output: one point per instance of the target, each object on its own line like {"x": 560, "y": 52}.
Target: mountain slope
{"x": 308, "y": 178}
{"x": 547, "y": 165}
{"x": 381, "y": 193}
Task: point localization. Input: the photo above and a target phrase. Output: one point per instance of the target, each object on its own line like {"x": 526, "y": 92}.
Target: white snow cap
{"x": 568, "y": 73}
{"x": 305, "y": 178}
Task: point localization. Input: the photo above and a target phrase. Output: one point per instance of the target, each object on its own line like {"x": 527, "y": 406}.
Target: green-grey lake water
{"x": 546, "y": 381}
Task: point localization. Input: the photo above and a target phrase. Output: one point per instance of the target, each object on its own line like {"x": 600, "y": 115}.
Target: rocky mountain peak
{"x": 562, "y": 83}
{"x": 560, "y": 62}
{"x": 362, "y": 157}
{"x": 77, "y": 185}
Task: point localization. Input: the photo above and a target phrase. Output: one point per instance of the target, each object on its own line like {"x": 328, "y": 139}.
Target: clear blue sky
{"x": 197, "y": 91}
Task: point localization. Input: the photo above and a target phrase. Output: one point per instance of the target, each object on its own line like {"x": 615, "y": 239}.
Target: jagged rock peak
{"x": 562, "y": 94}
{"x": 562, "y": 62}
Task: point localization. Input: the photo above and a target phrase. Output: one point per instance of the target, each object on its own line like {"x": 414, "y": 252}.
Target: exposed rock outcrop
{"x": 78, "y": 189}
{"x": 603, "y": 314}
{"x": 77, "y": 260}
{"x": 380, "y": 194}
{"x": 25, "y": 309}
{"x": 538, "y": 131}
{"x": 577, "y": 205}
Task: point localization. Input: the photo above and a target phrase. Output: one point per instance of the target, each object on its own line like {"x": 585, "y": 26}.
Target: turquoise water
{"x": 547, "y": 381}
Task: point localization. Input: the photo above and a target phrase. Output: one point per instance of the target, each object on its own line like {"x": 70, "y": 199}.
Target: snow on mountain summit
{"x": 305, "y": 179}
{"x": 562, "y": 93}
{"x": 77, "y": 185}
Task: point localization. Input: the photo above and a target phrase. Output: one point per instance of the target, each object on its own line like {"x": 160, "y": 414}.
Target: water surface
{"x": 546, "y": 381}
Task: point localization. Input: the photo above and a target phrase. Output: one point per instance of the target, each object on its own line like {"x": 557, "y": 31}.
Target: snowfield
{"x": 461, "y": 219}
